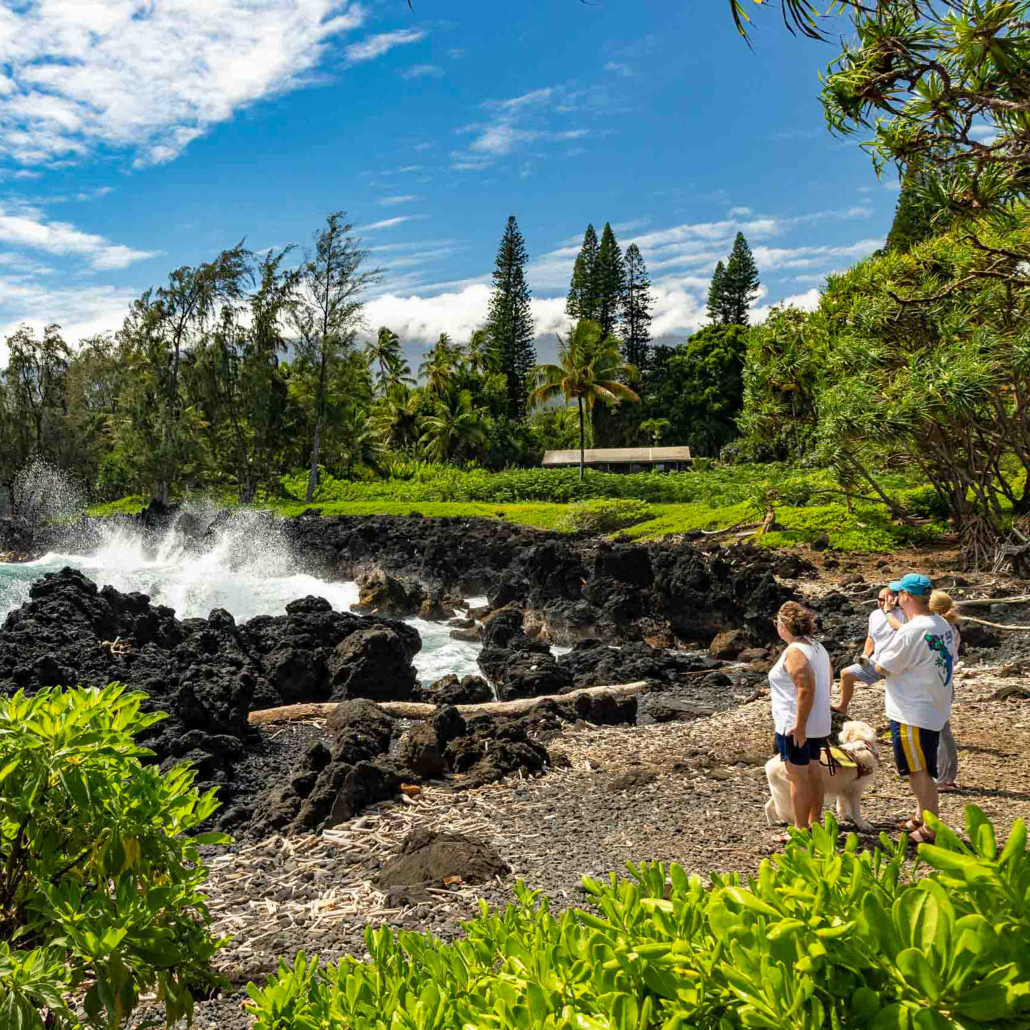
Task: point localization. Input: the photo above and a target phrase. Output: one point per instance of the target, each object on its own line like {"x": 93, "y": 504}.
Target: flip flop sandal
{"x": 922, "y": 836}
{"x": 948, "y": 788}
{"x": 911, "y": 826}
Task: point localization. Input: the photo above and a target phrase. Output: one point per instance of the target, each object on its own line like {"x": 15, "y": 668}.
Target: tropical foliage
{"x": 912, "y": 358}
{"x": 590, "y": 369}
{"x": 824, "y": 936}
{"x": 100, "y": 873}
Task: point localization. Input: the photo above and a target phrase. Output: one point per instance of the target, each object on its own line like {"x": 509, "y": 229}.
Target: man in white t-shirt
{"x": 917, "y": 664}
{"x": 884, "y": 620}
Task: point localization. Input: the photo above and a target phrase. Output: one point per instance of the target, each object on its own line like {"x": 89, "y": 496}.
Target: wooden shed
{"x": 623, "y": 459}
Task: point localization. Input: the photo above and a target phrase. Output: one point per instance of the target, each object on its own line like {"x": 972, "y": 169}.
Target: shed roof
{"x": 619, "y": 455}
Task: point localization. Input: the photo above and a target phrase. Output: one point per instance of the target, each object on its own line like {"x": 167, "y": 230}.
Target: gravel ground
{"x": 686, "y": 792}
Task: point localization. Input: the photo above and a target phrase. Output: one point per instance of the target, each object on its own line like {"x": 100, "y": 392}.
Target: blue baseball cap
{"x": 912, "y": 583}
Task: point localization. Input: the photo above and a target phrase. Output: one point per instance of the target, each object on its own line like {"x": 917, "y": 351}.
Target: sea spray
{"x": 207, "y": 558}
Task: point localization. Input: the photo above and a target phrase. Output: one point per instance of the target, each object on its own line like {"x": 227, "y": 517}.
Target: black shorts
{"x": 789, "y": 752}
{"x": 915, "y": 749}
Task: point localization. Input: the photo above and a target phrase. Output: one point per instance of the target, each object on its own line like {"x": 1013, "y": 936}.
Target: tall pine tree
{"x": 611, "y": 282}
{"x": 740, "y": 283}
{"x": 582, "y": 299}
{"x": 509, "y": 321}
{"x": 916, "y": 217}
{"x": 636, "y": 314}
{"x": 717, "y": 307}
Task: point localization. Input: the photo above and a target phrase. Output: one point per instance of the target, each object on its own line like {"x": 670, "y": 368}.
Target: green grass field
{"x": 868, "y": 529}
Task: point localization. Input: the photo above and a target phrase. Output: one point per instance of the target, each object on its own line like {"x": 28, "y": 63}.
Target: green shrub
{"x": 824, "y": 937}
{"x": 99, "y": 876}
{"x": 604, "y": 516}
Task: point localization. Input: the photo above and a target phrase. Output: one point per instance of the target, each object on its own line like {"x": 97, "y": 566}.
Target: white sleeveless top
{"x": 784, "y": 695}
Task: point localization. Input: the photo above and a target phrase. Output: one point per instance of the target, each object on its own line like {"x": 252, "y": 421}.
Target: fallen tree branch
{"x": 730, "y": 529}
{"x": 974, "y": 601}
{"x": 418, "y": 710}
{"x": 993, "y": 625}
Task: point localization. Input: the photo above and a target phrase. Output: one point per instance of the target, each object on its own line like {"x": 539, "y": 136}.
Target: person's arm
{"x": 892, "y": 658}
{"x": 893, "y": 621}
{"x": 800, "y": 672}
{"x": 870, "y": 644}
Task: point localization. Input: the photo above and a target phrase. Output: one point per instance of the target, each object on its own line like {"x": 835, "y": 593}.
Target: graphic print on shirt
{"x": 943, "y": 661}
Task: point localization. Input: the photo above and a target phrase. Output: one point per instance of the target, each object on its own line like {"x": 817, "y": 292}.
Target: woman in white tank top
{"x": 799, "y": 690}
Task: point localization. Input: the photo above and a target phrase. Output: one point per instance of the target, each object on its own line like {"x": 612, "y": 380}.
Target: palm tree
{"x": 481, "y": 353}
{"x": 590, "y": 368}
{"x": 455, "y": 429}
{"x": 438, "y": 368}
{"x": 385, "y": 351}
{"x": 394, "y": 420}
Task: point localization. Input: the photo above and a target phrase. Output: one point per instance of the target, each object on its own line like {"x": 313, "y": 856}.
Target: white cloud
{"x": 375, "y": 46}
{"x": 81, "y": 312}
{"x": 148, "y": 78}
{"x": 421, "y": 319}
{"x": 420, "y": 71}
{"x": 388, "y": 223}
{"x": 507, "y": 130}
{"x": 537, "y": 96}
{"x": 26, "y": 227}
{"x": 404, "y": 198}
{"x": 807, "y": 301}
{"x": 740, "y": 212}
{"x": 619, "y": 68}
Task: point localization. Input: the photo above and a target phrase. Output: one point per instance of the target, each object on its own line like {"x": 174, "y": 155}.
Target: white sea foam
{"x": 247, "y": 568}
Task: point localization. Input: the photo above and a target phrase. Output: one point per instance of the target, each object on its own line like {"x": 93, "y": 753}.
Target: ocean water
{"x": 248, "y": 570}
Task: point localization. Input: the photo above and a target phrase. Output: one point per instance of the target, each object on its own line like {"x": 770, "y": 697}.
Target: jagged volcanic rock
{"x": 207, "y": 674}
{"x": 584, "y": 587}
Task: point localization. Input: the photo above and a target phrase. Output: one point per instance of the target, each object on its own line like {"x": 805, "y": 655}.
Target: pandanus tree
{"x": 590, "y": 369}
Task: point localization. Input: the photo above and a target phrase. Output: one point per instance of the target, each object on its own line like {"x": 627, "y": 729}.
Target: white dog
{"x": 858, "y": 741}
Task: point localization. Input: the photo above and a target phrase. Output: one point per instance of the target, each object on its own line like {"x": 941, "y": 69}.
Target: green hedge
{"x": 718, "y": 487}
{"x": 826, "y": 936}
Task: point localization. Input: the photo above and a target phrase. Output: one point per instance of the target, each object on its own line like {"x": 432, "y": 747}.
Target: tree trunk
{"x": 417, "y": 710}
{"x": 581, "y": 443}
{"x": 313, "y": 475}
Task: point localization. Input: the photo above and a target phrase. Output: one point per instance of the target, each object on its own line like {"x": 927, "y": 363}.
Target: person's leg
{"x": 919, "y": 763}
{"x": 947, "y": 758}
{"x": 925, "y": 790}
{"x": 800, "y": 794}
{"x": 817, "y": 790}
{"x": 847, "y": 689}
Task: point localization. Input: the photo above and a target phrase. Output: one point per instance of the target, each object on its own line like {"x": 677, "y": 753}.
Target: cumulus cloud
{"x": 81, "y": 312}
{"x": 148, "y": 78}
{"x": 27, "y": 227}
{"x": 456, "y": 312}
{"x": 683, "y": 255}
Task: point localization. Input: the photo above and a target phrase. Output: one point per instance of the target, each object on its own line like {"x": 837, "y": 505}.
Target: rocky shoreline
{"x": 694, "y": 623}
{"x": 324, "y": 810}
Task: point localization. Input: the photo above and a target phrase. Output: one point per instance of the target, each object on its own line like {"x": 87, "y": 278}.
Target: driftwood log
{"x": 417, "y": 710}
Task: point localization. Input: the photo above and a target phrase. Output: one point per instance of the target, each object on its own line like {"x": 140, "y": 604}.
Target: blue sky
{"x": 139, "y": 136}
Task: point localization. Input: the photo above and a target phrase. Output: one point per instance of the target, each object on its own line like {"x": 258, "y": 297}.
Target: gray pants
{"x": 947, "y": 756}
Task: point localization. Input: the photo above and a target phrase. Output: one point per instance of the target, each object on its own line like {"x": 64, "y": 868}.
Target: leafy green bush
{"x": 99, "y": 876}
{"x": 823, "y": 937}
{"x": 719, "y": 487}
{"x": 604, "y": 516}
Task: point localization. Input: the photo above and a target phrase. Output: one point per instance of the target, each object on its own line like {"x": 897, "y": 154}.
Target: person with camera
{"x": 884, "y": 621}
